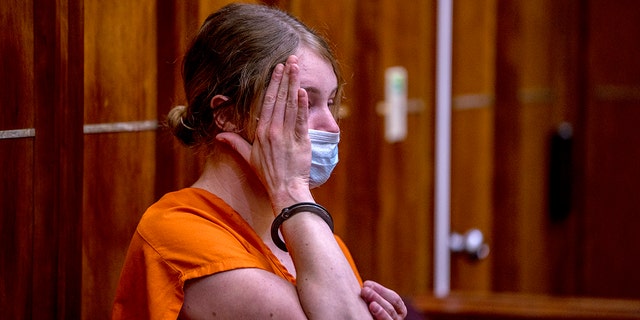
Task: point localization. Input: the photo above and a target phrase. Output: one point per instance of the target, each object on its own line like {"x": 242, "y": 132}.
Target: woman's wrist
{"x": 288, "y": 198}
{"x": 288, "y": 212}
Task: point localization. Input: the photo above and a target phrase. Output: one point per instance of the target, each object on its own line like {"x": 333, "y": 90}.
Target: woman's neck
{"x": 231, "y": 179}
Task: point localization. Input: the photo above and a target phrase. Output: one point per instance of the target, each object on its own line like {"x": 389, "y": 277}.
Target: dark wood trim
{"x": 57, "y": 247}
{"x": 466, "y": 305}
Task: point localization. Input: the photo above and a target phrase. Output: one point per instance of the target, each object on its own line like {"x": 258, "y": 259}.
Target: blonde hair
{"x": 234, "y": 54}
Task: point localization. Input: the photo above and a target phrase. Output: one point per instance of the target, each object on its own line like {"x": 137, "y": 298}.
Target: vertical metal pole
{"x": 443, "y": 150}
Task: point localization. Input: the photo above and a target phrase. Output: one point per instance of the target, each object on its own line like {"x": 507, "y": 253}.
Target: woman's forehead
{"x": 316, "y": 73}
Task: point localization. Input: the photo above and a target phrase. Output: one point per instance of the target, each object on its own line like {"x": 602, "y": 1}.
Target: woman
{"x": 263, "y": 92}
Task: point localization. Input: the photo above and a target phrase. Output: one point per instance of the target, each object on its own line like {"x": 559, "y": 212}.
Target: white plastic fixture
{"x": 395, "y": 113}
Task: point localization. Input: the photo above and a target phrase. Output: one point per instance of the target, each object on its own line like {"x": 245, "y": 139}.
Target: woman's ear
{"x": 223, "y": 116}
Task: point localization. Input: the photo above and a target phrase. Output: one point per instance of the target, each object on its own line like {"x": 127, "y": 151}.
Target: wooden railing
{"x": 462, "y": 305}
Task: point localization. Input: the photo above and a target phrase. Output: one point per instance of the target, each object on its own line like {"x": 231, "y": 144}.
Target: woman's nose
{"x": 323, "y": 120}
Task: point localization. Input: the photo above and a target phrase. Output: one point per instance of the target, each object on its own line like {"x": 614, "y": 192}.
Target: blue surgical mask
{"x": 324, "y": 156}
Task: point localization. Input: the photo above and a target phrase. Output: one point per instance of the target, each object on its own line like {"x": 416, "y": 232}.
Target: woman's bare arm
{"x": 241, "y": 294}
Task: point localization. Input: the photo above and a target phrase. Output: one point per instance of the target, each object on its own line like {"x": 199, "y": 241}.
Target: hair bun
{"x": 176, "y": 123}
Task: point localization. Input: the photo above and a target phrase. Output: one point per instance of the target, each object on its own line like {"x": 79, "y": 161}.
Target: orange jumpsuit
{"x": 187, "y": 234}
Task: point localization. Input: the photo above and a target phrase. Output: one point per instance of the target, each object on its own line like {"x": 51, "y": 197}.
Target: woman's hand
{"x": 281, "y": 151}
{"x": 383, "y": 303}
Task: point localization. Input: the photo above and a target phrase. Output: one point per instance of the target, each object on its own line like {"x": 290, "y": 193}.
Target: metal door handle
{"x": 472, "y": 243}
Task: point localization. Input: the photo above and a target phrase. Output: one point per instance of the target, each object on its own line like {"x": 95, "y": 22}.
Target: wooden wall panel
{"x": 611, "y": 202}
{"x": 58, "y": 77}
{"x": 535, "y": 95}
{"x": 16, "y": 227}
{"x": 119, "y": 174}
{"x": 524, "y": 105}
{"x": 120, "y": 61}
{"x": 473, "y": 83}
{"x": 16, "y": 158}
{"x": 16, "y": 65}
{"x": 119, "y": 178}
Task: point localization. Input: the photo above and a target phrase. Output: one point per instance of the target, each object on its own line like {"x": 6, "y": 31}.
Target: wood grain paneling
{"x": 612, "y": 154}
{"x": 524, "y": 109}
{"x": 16, "y": 65}
{"x": 16, "y": 227}
{"x": 119, "y": 180}
{"x": 41, "y": 180}
{"x": 473, "y": 83}
{"x": 120, "y": 61}
{"x": 471, "y": 305}
{"x": 16, "y": 159}
{"x": 58, "y": 77}
{"x": 563, "y": 236}
{"x": 119, "y": 177}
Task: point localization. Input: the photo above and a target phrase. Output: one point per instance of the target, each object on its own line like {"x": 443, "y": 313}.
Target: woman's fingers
{"x": 271, "y": 97}
{"x": 383, "y": 302}
{"x": 380, "y": 308}
{"x": 291, "y": 105}
{"x": 282, "y": 105}
{"x": 237, "y": 143}
{"x": 283, "y": 97}
{"x": 378, "y": 312}
{"x": 302, "y": 124}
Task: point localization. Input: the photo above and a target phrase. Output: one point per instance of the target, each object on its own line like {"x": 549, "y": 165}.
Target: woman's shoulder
{"x": 185, "y": 210}
{"x": 185, "y": 205}
{"x": 197, "y": 223}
